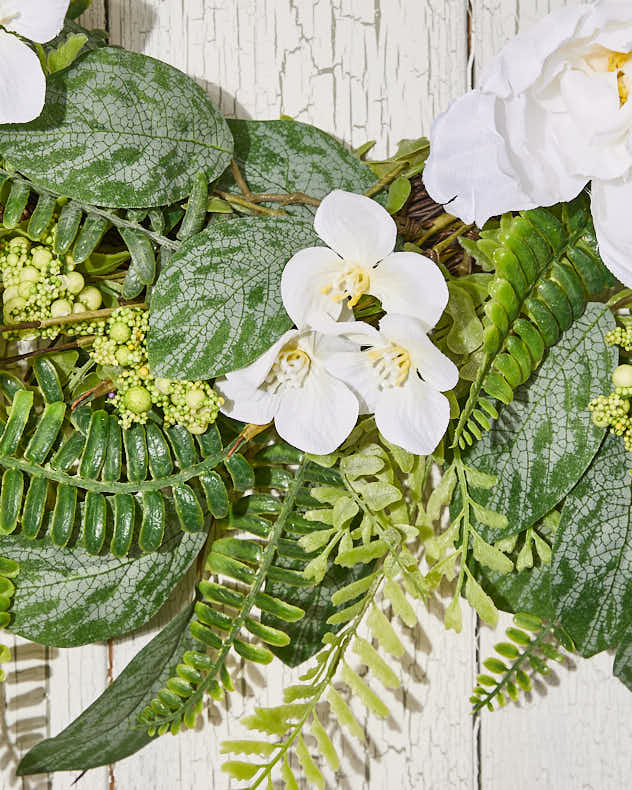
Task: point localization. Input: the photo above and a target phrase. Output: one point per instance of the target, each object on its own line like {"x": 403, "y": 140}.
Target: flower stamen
{"x": 392, "y": 364}
{"x": 616, "y": 62}
{"x": 351, "y": 283}
{"x": 289, "y": 371}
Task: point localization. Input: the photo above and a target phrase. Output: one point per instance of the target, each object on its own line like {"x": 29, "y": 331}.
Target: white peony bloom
{"x": 554, "y": 111}
{"x": 290, "y": 384}
{"x": 399, "y": 375}
{"x": 22, "y": 81}
{"x": 360, "y": 237}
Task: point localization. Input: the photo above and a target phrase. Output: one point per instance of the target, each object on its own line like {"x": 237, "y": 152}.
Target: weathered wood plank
{"x": 571, "y": 731}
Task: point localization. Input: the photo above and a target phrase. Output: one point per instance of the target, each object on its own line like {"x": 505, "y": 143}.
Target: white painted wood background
{"x": 361, "y": 69}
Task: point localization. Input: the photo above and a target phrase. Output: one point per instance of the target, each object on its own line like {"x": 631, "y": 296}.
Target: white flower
{"x": 290, "y": 384}
{"x": 399, "y": 376}
{"x": 360, "y": 237}
{"x": 552, "y": 113}
{"x": 22, "y": 81}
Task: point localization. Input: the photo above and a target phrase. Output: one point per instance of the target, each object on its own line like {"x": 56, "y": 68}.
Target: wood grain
{"x": 362, "y": 69}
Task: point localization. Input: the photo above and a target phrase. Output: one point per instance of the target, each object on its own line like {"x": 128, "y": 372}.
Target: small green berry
{"x": 41, "y": 257}
{"x": 122, "y": 356}
{"x": 60, "y": 307}
{"x": 622, "y": 376}
{"x": 137, "y": 400}
{"x": 30, "y": 274}
{"x": 120, "y": 332}
{"x": 26, "y": 289}
{"x": 13, "y": 307}
{"x": 91, "y": 297}
{"x": 74, "y": 282}
{"x": 10, "y": 293}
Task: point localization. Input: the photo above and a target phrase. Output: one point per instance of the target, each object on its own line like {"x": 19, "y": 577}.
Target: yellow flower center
{"x": 290, "y": 370}
{"x": 392, "y": 365}
{"x": 616, "y": 62}
{"x": 350, "y": 283}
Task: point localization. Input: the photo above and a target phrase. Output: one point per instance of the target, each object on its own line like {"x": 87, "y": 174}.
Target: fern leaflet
{"x": 546, "y": 268}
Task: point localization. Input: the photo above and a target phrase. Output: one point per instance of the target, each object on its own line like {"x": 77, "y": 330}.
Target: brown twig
{"x": 102, "y": 388}
{"x": 74, "y": 318}
{"x": 80, "y": 342}
{"x": 247, "y": 435}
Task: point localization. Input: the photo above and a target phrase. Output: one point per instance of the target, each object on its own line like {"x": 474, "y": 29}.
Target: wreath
{"x": 311, "y": 386}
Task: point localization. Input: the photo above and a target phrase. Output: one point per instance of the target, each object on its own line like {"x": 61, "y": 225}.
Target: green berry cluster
{"x": 621, "y": 336}
{"x": 613, "y": 411}
{"x": 38, "y": 284}
{"x": 192, "y": 404}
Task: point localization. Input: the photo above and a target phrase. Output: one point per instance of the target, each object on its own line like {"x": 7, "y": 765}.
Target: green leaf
{"x": 527, "y": 591}
{"x": 307, "y": 633}
{"x": 66, "y": 53}
{"x": 88, "y": 598}
{"x": 287, "y": 156}
{"x": 120, "y": 129}
{"x": 107, "y": 731}
{"x": 398, "y": 194}
{"x": 217, "y": 304}
{"x": 623, "y": 660}
{"x": 544, "y": 441}
{"x": 591, "y": 579}
{"x": 480, "y": 601}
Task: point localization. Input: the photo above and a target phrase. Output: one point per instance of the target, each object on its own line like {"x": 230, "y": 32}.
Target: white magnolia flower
{"x": 399, "y": 375}
{"x": 291, "y": 385}
{"x": 360, "y": 237}
{"x": 22, "y": 81}
{"x": 553, "y": 112}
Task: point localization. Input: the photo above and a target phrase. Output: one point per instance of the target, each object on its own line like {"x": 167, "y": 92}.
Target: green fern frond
{"x": 8, "y": 571}
{"x": 242, "y": 566}
{"x": 77, "y": 471}
{"x": 369, "y": 514}
{"x": 546, "y": 268}
{"x": 532, "y": 643}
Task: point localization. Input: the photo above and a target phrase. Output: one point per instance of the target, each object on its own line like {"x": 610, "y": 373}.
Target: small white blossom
{"x": 360, "y": 236}
{"x": 399, "y": 376}
{"x": 290, "y": 384}
{"x": 553, "y": 112}
{"x": 22, "y": 81}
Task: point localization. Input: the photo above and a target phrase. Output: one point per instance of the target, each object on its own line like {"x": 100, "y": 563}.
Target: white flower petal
{"x": 609, "y": 24}
{"x": 432, "y": 364}
{"x": 411, "y": 284}
{"x": 318, "y": 416}
{"x": 304, "y": 277}
{"x": 357, "y": 332}
{"x": 22, "y": 81}
{"x": 539, "y": 152}
{"x": 414, "y": 416}
{"x": 611, "y": 201}
{"x": 356, "y": 370}
{"x": 592, "y": 135}
{"x": 38, "y": 20}
{"x": 469, "y": 169}
{"x": 255, "y": 373}
{"x": 243, "y": 401}
{"x": 356, "y": 227}
{"x": 522, "y": 60}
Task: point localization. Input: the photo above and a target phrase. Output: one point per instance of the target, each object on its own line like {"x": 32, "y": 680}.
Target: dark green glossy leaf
{"x": 217, "y": 304}
{"x": 307, "y": 633}
{"x": 287, "y": 156}
{"x": 592, "y": 555}
{"x": 120, "y": 129}
{"x": 543, "y": 442}
{"x": 527, "y": 591}
{"x": 107, "y": 731}
{"x": 67, "y": 597}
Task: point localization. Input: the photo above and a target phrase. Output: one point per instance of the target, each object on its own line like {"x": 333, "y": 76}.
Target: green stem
{"x": 249, "y": 602}
{"x": 465, "y": 515}
{"x": 386, "y": 179}
{"x": 110, "y": 216}
{"x": 337, "y": 655}
{"x": 64, "y": 320}
{"x": 531, "y": 648}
